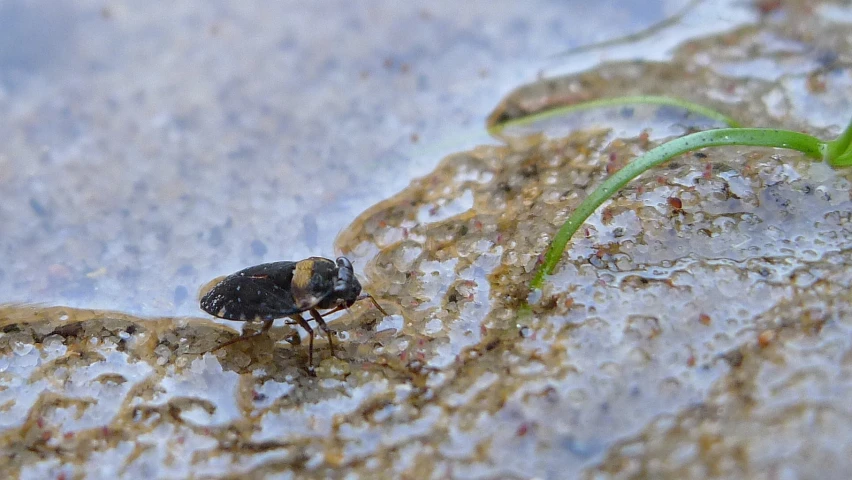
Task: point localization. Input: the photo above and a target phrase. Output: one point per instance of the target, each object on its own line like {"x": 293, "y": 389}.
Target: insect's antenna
{"x": 366, "y": 296}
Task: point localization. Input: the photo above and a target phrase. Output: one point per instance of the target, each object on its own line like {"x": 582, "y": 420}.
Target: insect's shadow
{"x": 285, "y": 347}
{"x": 280, "y": 349}
{"x": 91, "y": 335}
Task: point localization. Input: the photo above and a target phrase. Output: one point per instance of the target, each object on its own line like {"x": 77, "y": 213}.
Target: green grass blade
{"x": 839, "y": 151}
{"x": 497, "y": 128}
{"x": 758, "y": 137}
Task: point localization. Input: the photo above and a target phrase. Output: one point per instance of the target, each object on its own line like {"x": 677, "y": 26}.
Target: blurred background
{"x": 146, "y": 148}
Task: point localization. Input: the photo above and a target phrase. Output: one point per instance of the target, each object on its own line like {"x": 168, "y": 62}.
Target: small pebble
{"x": 765, "y": 338}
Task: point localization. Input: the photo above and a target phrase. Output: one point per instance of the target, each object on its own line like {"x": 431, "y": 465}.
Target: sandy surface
{"x": 147, "y": 151}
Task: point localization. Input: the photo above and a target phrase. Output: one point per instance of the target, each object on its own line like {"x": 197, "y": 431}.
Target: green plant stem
{"x": 496, "y": 129}
{"x": 757, "y": 137}
{"x": 838, "y": 152}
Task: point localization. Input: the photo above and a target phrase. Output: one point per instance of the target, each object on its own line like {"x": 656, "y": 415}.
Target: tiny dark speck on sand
{"x": 215, "y": 238}
{"x": 310, "y": 230}
{"x": 258, "y": 248}
{"x": 181, "y": 294}
{"x": 38, "y": 208}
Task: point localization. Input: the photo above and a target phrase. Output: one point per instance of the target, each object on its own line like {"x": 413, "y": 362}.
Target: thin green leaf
{"x": 757, "y": 137}
{"x": 497, "y": 129}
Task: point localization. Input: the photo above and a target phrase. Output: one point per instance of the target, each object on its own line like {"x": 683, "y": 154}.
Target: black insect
{"x": 286, "y": 289}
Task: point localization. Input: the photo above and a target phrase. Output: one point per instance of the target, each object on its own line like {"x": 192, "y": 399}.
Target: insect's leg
{"x": 324, "y": 314}
{"x": 366, "y": 296}
{"x": 267, "y": 324}
{"x": 304, "y": 324}
{"x": 334, "y": 310}
{"x": 328, "y": 332}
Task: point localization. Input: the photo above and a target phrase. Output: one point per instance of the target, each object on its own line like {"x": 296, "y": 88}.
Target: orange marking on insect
{"x": 303, "y": 273}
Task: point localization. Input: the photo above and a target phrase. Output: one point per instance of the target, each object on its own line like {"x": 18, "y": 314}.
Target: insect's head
{"x": 346, "y": 286}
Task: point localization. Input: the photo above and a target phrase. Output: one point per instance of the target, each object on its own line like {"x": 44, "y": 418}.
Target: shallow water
{"x": 709, "y": 340}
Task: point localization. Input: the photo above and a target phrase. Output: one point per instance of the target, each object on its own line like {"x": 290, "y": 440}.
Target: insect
{"x": 286, "y": 289}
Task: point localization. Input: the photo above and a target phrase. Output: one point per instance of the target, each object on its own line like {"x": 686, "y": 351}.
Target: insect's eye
{"x": 344, "y": 262}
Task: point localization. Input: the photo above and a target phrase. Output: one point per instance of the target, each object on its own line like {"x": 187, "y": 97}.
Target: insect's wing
{"x": 261, "y": 292}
